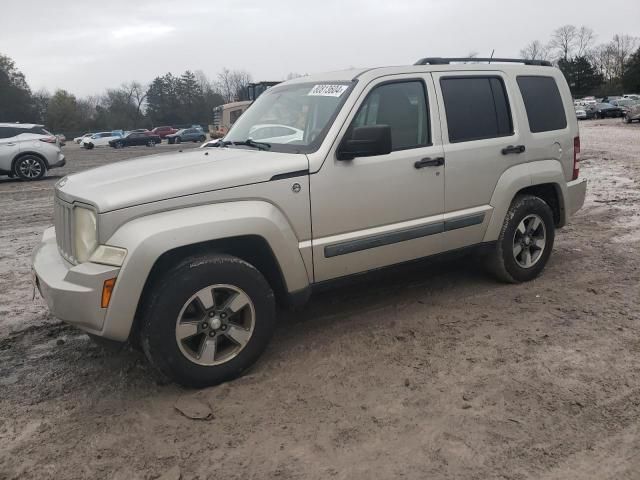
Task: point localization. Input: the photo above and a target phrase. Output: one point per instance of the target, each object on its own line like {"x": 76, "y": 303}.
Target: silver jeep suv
{"x": 27, "y": 151}
{"x": 188, "y": 253}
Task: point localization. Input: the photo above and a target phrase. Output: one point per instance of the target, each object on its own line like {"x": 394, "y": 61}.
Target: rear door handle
{"x": 513, "y": 149}
{"x": 429, "y": 162}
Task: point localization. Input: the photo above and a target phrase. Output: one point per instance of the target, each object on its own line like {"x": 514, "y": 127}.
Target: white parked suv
{"x": 27, "y": 151}
{"x": 188, "y": 253}
{"x": 100, "y": 139}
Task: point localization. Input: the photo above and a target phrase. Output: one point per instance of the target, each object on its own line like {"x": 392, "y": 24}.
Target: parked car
{"x": 187, "y": 135}
{"x": 606, "y": 110}
{"x": 27, "y": 151}
{"x": 581, "y": 113}
{"x": 79, "y": 139}
{"x": 136, "y": 138}
{"x": 100, "y": 139}
{"x": 633, "y": 113}
{"x": 624, "y": 104}
{"x": 189, "y": 252}
{"x": 632, "y": 96}
{"x": 162, "y": 132}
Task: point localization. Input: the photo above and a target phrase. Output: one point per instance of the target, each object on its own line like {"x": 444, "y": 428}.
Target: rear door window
{"x": 543, "y": 102}
{"x": 8, "y": 132}
{"x": 476, "y": 107}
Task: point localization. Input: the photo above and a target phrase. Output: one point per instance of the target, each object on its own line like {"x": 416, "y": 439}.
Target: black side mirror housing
{"x": 365, "y": 141}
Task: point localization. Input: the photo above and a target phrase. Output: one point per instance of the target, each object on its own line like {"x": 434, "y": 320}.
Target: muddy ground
{"x": 433, "y": 371}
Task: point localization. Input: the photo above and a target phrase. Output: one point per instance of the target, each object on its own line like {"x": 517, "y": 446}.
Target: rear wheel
{"x": 208, "y": 319}
{"x": 30, "y": 167}
{"x": 202, "y": 138}
{"x": 525, "y": 242}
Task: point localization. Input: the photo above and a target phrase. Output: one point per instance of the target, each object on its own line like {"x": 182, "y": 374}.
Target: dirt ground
{"x": 433, "y": 371}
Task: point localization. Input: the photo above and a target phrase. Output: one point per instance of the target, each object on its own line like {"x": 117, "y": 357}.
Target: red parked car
{"x": 162, "y": 132}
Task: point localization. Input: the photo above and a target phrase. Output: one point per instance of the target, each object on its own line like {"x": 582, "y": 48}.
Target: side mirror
{"x": 365, "y": 142}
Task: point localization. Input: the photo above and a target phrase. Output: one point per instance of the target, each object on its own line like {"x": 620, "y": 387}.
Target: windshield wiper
{"x": 248, "y": 143}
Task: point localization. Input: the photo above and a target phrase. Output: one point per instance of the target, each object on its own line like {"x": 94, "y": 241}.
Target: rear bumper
{"x": 73, "y": 292}
{"x": 576, "y": 192}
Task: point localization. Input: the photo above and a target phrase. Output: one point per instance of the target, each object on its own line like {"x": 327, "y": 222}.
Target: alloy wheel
{"x": 30, "y": 168}
{"x": 529, "y": 241}
{"x": 215, "y": 324}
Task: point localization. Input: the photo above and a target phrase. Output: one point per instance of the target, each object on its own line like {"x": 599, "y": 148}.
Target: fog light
{"x": 107, "y": 290}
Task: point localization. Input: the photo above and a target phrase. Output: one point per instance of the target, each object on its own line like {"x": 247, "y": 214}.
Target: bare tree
{"x": 232, "y": 83}
{"x": 622, "y": 46}
{"x": 137, "y": 94}
{"x": 584, "y": 40}
{"x": 563, "y": 41}
{"x": 603, "y": 58}
{"x": 535, "y": 50}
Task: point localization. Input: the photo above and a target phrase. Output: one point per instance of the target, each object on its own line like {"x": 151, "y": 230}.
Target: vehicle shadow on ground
{"x": 58, "y": 351}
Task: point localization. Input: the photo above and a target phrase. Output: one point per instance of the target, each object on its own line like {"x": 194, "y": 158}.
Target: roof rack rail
{"x": 446, "y": 61}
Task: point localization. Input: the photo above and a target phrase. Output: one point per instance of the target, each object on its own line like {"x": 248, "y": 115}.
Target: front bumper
{"x": 61, "y": 161}
{"x": 72, "y": 292}
{"x": 576, "y": 192}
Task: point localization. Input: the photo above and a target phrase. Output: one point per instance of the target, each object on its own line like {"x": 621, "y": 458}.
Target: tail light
{"x": 576, "y": 158}
{"x": 49, "y": 140}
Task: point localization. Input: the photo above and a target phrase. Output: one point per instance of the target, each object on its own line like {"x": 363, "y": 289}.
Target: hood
{"x": 169, "y": 175}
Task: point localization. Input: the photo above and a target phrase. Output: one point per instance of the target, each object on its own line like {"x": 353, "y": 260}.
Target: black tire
{"x": 202, "y": 138}
{"x": 88, "y": 146}
{"x": 174, "y": 289}
{"x": 178, "y": 140}
{"x": 29, "y": 167}
{"x": 119, "y": 144}
{"x": 170, "y": 141}
{"x": 501, "y": 261}
{"x": 151, "y": 143}
{"x": 627, "y": 120}
{"x": 596, "y": 116}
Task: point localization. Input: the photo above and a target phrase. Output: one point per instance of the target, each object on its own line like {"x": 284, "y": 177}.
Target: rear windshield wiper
{"x": 248, "y": 143}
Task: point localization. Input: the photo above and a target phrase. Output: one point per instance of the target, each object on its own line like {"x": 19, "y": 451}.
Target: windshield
{"x": 292, "y": 118}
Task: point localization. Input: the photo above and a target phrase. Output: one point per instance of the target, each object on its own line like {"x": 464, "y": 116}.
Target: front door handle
{"x": 429, "y": 162}
{"x": 513, "y": 149}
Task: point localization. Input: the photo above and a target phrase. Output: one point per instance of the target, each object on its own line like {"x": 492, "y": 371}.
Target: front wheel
{"x": 202, "y": 138}
{"x": 119, "y": 145}
{"x": 208, "y": 319}
{"x": 30, "y": 167}
{"x": 525, "y": 242}
{"x": 151, "y": 143}
{"x": 178, "y": 140}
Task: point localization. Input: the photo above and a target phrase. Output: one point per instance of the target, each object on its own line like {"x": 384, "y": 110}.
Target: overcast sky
{"x": 85, "y": 46}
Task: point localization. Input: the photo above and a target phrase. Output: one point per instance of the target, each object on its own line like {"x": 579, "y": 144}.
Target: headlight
{"x": 85, "y": 235}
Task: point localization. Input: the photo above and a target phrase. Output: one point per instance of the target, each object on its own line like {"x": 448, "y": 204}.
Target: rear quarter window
{"x": 543, "y": 103}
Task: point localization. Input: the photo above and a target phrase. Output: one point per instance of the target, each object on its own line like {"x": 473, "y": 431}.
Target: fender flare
{"x": 517, "y": 178}
{"x": 147, "y": 238}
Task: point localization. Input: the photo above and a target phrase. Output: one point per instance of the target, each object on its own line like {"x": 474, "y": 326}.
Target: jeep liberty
{"x": 187, "y": 253}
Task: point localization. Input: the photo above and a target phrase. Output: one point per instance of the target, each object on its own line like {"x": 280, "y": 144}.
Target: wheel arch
{"x": 255, "y": 231}
{"x": 28, "y": 153}
{"x": 544, "y": 179}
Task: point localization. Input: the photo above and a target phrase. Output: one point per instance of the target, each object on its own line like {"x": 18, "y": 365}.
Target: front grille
{"x": 63, "y": 221}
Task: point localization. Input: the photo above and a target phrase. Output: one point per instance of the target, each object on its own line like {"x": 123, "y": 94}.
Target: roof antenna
{"x": 492, "y": 52}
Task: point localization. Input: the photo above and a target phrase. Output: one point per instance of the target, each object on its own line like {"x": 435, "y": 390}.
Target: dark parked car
{"x": 606, "y": 110}
{"x": 136, "y": 138}
{"x": 187, "y": 135}
{"x": 164, "y": 131}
